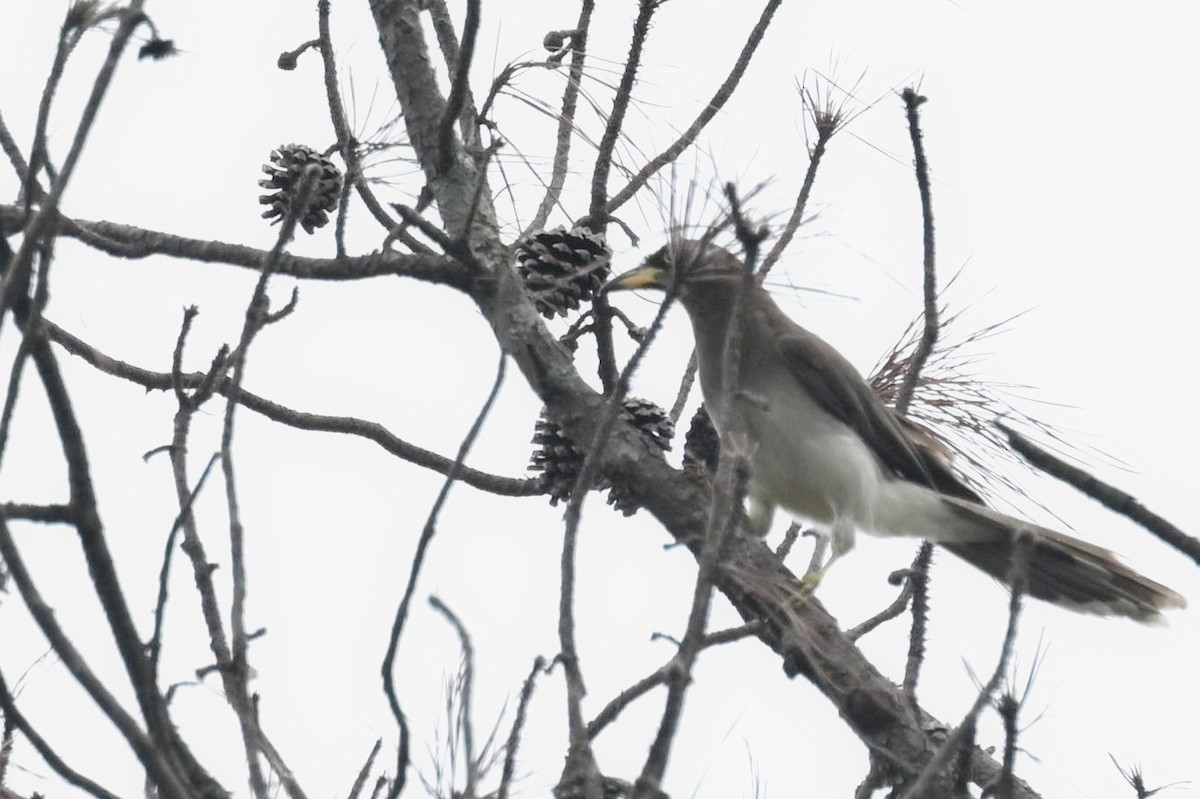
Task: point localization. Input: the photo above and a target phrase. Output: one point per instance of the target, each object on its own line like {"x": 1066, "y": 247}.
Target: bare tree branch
{"x": 155, "y": 761}
{"x": 154, "y": 647}
{"x": 451, "y": 185}
{"x": 235, "y": 673}
{"x": 729, "y": 488}
{"x": 609, "y": 713}
{"x": 460, "y": 87}
{"x": 14, "y": 719}
{"x": 597, "y": 209}
{"x": 924, "y": 784}
{"x": 361, "y": 780}
{"x": 826, "y": 123}
{"x": 566, "y": 120}
{"x": 918, "y": 582}
{"x": 514, "y": 735}
{"x": 919, "y": 571}
{"x": 892, "y": 611}
{"x": 347, "y": 425}
{"x": 178, "y": 763}
{"x": 125, "y": 241}
{"x": 912, "y": 104}
{"x": 46, "y": 514}
{"x": 1112, "y": 498}
{"x": 39, "y": 224}
{"x": 13, "y": 151}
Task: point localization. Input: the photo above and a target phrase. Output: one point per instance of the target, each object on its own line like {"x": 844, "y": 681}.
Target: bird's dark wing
{"x": 906, "y": 449}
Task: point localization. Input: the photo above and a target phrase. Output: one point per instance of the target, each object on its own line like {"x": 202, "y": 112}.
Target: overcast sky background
{"x": 1062, "y": 141}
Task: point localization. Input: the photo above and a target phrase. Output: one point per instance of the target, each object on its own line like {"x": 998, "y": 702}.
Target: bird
{"x": 823, "y": 446}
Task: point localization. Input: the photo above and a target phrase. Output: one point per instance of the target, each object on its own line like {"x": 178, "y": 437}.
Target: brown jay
{"x": 823, "y": 446}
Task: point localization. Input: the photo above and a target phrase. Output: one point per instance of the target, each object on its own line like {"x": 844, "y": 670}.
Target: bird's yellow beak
{"x": 646, "y": 276}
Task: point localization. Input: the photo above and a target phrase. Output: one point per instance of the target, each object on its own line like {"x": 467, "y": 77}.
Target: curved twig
{"x": 427, "y": 533}
{"x": 347, "y": 425}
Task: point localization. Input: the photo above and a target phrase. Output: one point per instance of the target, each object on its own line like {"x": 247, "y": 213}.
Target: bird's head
{"x": 682, "y": 267}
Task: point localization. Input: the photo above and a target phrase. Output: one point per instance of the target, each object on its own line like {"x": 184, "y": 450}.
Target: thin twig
{"x": 345, "y": 425}
{"x": 168, "y": 760}
{"x": 363, "y": 773}
{"x": 235, "y": 690}
{"x": 13, "y": 151}
{"x": 237, "y": 671}
{"x": 609, "y": 713}
{"x": 14, "y": 719}
{"x": 468, "y": 681}
{"x": 155, "y": 761}
{"x": 73, "y": 28}
{"x": 606, "y": 356}
{"x": 427, "y": 533}
{"x": 797, "y": 216}
{"x": 790, "y": 536}
{"x": 733, "y": 473}
{"x": 722, "y": 95}
{"x": 127, "y": 241}
{"x": 616, "y": 119}
{"x": 919, "y": 572}
{"x": 514, "y": 735}
{"x": 39, "y": 224}
{"x": 912, "y": 102}
{"x": 892, "y": 611}
{"x": 13, "y": 391}
{"x": 449, "y": 245}
{"x": 918, "y": 582}
{"x": 580, "y": 760}
{"x": 341, "y": 127}
{"x": 45, "y": 514}
{"x": 154, "y": 647}
{"x": 566, "y": 121}
{"x": 1018, "y": 573}
{"x": 459, "y": 87}
{"x": 685, "y": 388}
{"x": 1008, "y": 707}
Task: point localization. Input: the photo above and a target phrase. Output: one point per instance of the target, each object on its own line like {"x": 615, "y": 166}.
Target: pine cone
{"x": 562, "y": 268}
{"x": 556, "y": 457}
{"x": 287, "y": 165}
{"x": 560, "y": 460}
{"x": 655, "y": 425}
{"x": 701, "y": 445}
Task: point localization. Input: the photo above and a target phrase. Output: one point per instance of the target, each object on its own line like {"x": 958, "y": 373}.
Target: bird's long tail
{"x": 1059, "y": 568}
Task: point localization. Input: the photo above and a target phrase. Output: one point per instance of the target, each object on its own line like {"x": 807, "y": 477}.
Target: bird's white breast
{"x": 806, "y": 461}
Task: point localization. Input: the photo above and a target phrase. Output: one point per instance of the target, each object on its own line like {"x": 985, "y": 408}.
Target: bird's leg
{"x": 841, "y": 541}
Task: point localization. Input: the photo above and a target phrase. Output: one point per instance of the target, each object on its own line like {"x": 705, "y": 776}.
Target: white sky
{"x": 1062, "y": 139}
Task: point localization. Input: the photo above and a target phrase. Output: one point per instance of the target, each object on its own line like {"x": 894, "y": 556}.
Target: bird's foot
{"x": 810, "y": 581}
